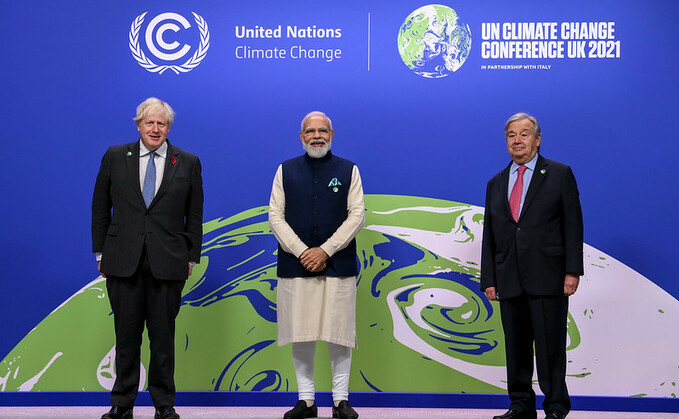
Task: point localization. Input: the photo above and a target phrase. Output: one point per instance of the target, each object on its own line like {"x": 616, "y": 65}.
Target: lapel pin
{"x": 173, "y": 160}
{"x": 543, "y": 171}
{"x": 129, "y": 153}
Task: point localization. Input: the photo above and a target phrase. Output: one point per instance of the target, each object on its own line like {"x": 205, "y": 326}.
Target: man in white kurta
{"x": 316, "y": 210}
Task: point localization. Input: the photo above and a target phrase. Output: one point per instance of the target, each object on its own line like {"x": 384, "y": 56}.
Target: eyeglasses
{"x": 323, "y": 132}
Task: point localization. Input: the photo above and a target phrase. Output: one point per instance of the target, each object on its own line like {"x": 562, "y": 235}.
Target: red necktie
{"x": 515, "y": 196}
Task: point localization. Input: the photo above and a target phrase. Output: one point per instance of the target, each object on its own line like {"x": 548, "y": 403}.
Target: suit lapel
{"x": 504, "y": 185}
{"x": 132, "y": 160}
{"x": 535, "y": 182}
{"x": 171, "y": 163}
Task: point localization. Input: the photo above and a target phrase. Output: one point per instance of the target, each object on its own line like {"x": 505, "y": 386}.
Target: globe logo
{"x": 433, "y": 42}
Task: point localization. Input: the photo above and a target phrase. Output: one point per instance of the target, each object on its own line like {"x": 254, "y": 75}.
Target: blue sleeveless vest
{"x": 316, "y": 192}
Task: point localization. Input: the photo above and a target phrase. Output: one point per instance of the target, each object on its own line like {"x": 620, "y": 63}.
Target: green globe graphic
{"x": 433, "y": 42}
{"x": 423, "y": 324}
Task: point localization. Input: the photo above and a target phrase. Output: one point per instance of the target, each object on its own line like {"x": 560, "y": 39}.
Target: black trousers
{"x": 137, "y": 301}
{"x": 541, "y": 321}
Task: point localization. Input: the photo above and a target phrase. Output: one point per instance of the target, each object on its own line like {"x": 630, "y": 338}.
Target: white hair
{"x": 312, "y": 114}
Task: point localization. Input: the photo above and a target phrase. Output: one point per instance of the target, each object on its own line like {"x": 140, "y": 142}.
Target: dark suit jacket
{"x": 171, "y": 227}
{"x": 535, "y": 253}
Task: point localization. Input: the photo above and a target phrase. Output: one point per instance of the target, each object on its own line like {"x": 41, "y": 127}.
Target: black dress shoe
{"x": 344, "y": 411}
{"x": 165, "y": 412}
{"x": 517, "y": 414}
{"x": 555, "y": 414}
{"x": 118, "y": 412}
{"x": 302, "y": 411}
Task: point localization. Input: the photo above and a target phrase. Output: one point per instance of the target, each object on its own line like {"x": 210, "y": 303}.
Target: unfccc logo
{"x": 156, "y": 39}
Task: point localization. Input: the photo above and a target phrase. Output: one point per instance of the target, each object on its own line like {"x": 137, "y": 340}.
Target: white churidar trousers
{"x": 303, "y": 354}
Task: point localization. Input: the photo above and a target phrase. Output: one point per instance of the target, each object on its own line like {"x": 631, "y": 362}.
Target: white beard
{"x": 317, "y": 152}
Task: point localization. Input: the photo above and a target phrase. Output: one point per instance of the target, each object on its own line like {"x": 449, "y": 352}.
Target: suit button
{"x": 315, "y": 197}
{"x": 315, "y": 212}
{"x": 315, "y": 181}
{"x": 518, "y": 229}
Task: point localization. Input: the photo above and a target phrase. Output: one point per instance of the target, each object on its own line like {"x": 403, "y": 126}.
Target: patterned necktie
{"x": 515, "y": 196}
{"x": 150, "y": 180}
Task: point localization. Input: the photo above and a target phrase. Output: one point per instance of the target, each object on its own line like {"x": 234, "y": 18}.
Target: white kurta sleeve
{"x": 289, "y": 241}
{"x": 355, "y": 218}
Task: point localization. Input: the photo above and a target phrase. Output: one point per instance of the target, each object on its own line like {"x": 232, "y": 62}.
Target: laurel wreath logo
{"x": 189, "y": 65}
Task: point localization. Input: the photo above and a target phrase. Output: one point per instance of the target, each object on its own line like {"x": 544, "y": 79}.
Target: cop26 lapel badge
{"x": 334, "y": 183}
{"x": 543, "y": 171}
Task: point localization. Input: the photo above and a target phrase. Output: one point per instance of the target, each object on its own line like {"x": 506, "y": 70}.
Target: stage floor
{"x": 193, "y": 412}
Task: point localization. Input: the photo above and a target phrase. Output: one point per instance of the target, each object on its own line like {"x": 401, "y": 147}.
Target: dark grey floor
{"x": 146, "y": 412}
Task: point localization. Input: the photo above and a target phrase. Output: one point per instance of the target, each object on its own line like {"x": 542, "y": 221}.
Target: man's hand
{"x": 570, "y": 284}
{"x": 190, "y": 269}
{"x": 99, "y": 269}
{"x": 314, "y": 259}
{"x": 491, "y": 294}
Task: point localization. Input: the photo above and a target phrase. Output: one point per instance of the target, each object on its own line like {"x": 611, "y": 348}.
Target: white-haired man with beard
{"x": 315, "y": 212}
